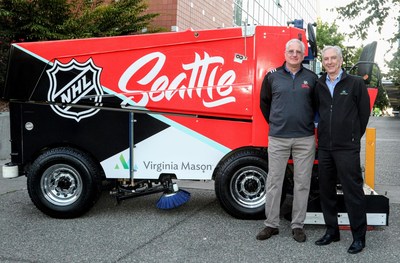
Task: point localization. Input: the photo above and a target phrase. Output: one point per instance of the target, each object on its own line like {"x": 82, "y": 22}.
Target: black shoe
{"x": 356, "y": 247}
{"x": 267, "y": 233}
{"x": 327, "y": 239}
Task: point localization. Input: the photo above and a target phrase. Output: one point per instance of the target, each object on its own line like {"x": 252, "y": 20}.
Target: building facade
{"x": 179, "y": 15}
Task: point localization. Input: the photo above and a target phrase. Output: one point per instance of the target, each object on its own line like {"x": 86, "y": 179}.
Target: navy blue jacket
{"x": 343, "y": 119}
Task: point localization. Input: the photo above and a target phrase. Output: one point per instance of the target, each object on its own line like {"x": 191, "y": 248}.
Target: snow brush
{"x": 174, "y": 199}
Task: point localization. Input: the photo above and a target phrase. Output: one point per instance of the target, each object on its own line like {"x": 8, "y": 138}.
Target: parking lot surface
{"x": 199, "y": 231}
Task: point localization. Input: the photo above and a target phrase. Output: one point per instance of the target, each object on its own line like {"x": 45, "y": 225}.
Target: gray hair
{"x": 295, "y": 40}
{"x": 337, "y": 50}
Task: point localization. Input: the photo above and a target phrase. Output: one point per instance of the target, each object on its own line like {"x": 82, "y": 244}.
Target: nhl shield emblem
{"x": 74, "y": 82}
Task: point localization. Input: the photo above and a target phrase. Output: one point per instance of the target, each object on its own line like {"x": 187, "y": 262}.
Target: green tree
{"x": 32, "y": 20}
{"x": 23, "y": 20}
{"x": 394, "y": 68}
{"x": 351, "y": 55}
{"x": 394, "y": 74}
{"x": 375, "y": 13}
{"x": 372, "y": 13}
{"x": 121, "y": 17}
{"x": 328, "y": 34}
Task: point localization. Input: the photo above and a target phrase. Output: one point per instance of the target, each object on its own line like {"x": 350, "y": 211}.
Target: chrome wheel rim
{"x": 248, "y": 186}
{"x": 61, "y": 184}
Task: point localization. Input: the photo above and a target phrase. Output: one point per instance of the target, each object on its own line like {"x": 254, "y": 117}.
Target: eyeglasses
{"x": 294, "y": 52}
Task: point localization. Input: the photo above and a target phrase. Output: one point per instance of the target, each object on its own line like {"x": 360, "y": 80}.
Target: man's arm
{"x": 266, "y": 97}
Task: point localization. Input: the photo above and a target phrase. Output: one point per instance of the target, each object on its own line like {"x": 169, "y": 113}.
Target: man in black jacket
{"x": 287, "y": 103}
{"x": 344, "y": 107}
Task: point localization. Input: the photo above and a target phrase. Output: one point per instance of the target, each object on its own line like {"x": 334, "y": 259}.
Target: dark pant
{"x": 345, "y": 166}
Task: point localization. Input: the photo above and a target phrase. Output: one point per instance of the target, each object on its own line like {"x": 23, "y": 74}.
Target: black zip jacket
{"x": 288, "y": 104}
{"x": 343, "y": 119}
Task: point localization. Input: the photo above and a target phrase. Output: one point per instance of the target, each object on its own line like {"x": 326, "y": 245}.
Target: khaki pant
{"x": 303, "y": 153}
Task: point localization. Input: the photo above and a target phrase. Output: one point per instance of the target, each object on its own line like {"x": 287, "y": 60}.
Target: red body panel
{"x": 211, "y": 73}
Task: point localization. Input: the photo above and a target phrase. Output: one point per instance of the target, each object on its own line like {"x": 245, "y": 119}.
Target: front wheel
{"x": 240, "y": 184}
{"x": 64, "y": 183}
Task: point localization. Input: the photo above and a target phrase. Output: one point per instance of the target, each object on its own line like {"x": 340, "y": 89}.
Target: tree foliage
{"x": 377, "y": 14}
{"x": 328, "y": 34}
{"x": 22, "y": 20}
{"x": 33, "y": 20}
{"x": 394, "y": 68}
{"x": 373, "y": 13}
{"x": 394, "y": 73}
{"x": 121, "y": 17}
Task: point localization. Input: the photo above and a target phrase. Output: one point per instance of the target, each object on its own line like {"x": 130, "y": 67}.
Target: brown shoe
{"x": 267, "y": 233}
{"x": 299, "y": 235}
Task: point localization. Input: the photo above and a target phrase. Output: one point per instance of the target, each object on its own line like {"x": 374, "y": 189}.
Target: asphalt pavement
{"x": 198, "y": 231}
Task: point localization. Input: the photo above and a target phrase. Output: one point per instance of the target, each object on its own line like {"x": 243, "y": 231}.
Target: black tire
{"x": 240, "y": 182}
{"x": 64, "y": 183}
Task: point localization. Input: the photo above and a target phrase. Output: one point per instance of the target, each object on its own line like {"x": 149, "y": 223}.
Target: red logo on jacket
{"x": 305, "y": 85}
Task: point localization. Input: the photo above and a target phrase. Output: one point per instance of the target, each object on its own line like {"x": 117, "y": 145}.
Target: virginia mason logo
{"x": 72, "y": 82}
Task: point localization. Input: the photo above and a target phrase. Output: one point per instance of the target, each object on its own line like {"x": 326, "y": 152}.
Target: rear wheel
{"x": 64, "y": 183}
{"x": 240, "y": 184}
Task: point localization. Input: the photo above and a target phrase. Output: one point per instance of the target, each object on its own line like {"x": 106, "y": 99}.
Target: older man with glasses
{"x": 287, "y": 103}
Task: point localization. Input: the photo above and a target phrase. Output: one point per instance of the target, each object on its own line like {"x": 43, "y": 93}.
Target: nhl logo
{"x": 71, "y": 83}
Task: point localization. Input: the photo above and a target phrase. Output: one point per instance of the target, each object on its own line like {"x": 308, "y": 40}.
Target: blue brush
{"x": 173, "y": 200}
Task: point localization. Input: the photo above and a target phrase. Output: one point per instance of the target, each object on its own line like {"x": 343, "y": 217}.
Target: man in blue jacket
{"x": 344, "y": 107}
{"x": 287, "y": 103}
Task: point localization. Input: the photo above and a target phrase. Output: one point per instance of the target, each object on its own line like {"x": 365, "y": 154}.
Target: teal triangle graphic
{"x": 123, "y": 162}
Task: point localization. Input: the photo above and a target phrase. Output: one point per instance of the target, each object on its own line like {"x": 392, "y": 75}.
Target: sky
{"x": 383, "y": 49}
